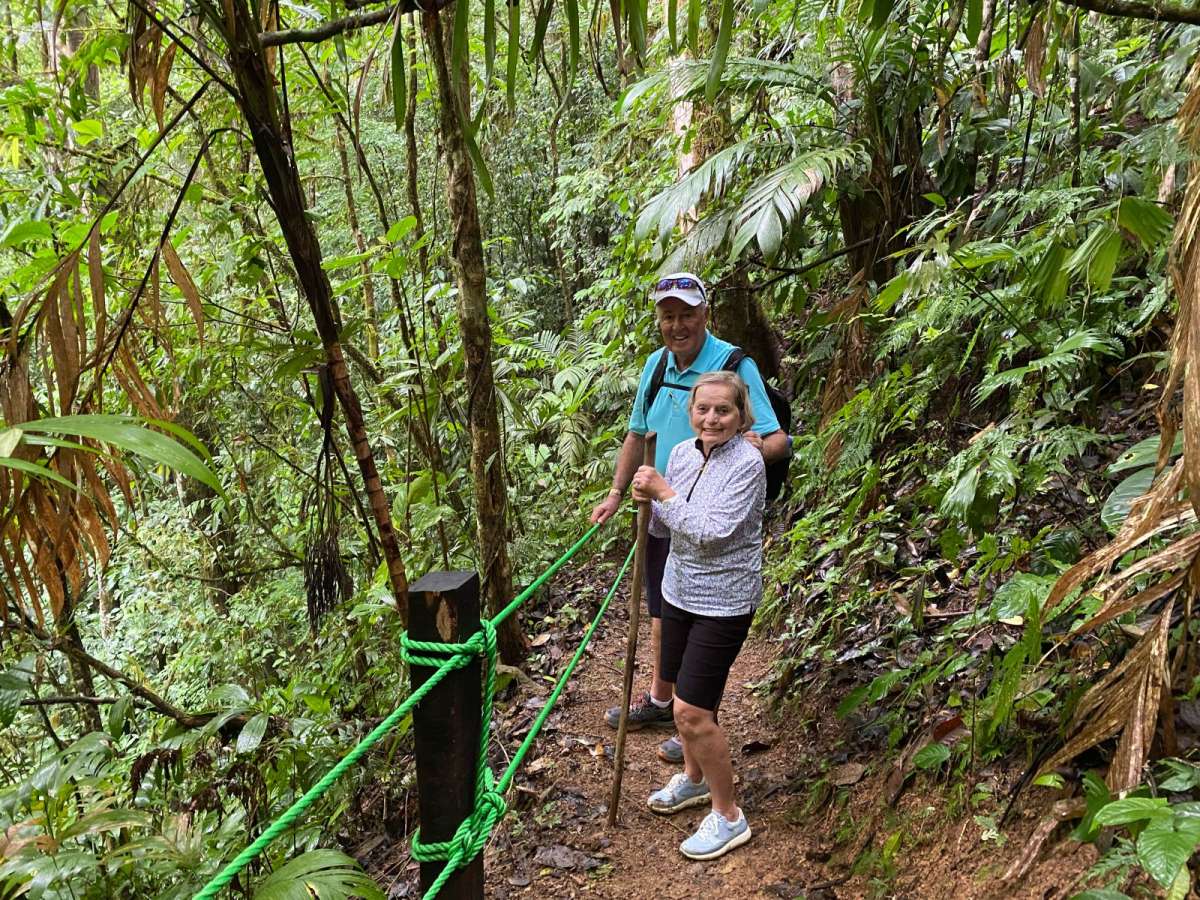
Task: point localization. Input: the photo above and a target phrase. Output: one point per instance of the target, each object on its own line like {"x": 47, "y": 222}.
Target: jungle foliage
{"x": 301, "y": 301}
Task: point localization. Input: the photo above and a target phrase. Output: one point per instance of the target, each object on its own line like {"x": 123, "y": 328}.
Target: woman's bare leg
{"x": 706, "y": 755}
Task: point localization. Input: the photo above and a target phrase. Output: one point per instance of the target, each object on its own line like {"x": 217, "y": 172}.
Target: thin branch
{"x": 349, "y": 23}
{"x": 72, "y": 699}
{"x": 809, "y": 266}
{"x": 186, "y": 719}
{"x": 1135, "y": 9}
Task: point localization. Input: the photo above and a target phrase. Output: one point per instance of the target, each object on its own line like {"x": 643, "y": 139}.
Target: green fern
{"x": 319, "y": 875}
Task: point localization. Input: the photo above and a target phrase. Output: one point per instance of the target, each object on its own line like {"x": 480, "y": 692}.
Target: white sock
{"x": 661, "y": 704}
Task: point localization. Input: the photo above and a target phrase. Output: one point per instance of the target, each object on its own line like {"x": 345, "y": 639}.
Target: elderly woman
{"x": 710, "y": 504}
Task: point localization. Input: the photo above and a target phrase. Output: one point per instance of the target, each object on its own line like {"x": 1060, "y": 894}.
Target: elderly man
{"x": 681, "y": 311}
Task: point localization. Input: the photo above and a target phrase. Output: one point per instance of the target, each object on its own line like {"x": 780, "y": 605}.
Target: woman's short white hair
{"x": 741, "y": 394}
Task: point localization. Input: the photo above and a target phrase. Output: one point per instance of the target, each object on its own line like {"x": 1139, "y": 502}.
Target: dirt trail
{"x": 555, "y": 843}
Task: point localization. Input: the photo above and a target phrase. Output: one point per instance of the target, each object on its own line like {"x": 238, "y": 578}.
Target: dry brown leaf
{"x": 1113, "y": 609}
{"x": 162, "y": 77}
{"x": 1035, "y": 57}
{"x": 1173, "y": 556}
{"x": 1144, "y": 521}
{"x": 187, "y": 287}
{"x": 96, "y": 280}
{"x": 1126, "y": 700}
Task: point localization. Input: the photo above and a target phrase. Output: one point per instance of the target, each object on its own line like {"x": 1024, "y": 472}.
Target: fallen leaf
{"x": 756, "y": 746}
{"x": 560, "y": 856}
{"x": 847, "y": 774}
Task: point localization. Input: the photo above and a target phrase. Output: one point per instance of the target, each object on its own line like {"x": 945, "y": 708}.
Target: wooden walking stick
{"x": 635, "y": 609}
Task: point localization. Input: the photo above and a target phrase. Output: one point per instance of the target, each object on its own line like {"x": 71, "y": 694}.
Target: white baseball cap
{"x": 682, "y": 286}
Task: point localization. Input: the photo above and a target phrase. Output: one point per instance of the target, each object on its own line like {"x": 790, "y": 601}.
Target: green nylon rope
{"x": 473, "y": 833}
{"x": 544, "y": 577}
{"x": 293, "y": 812}
{"x": 490, "y": 806}
{"x": 519, "y": 757}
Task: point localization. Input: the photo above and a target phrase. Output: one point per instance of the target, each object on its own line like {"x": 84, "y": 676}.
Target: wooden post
{"x": 444, "y": 606}
{"x": 649, "y": 444}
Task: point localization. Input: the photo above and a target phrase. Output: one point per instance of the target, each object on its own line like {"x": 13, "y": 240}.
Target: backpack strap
{"x": 656, "y": 382}
{"x": 734, "y": 360}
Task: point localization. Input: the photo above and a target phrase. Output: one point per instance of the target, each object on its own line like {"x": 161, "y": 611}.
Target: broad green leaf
{"x": 481, "y": 169}
{"x": 489, "y": 41}
{"x": 461, "y": 40}
{"x": 35, "y": 470}
{"x": 712, "y": 85}
{"x": 974, "y": 20}
{"x": 1048, "y": 280}
{"x": 932, "y": 756}
{"x": 636, "y": 20}
{"x": 1096, "y": 258}
{"x": 1143, "y": 453}
{"x": 1162, "y": 850}
{"x": 540, "y": 24}
{"x": 14, "y": 685}
{"x": 1116, "y": 507}
{"x": 400, "y": 228}
{"x": 1147, "y": 221}
{"x": 399, "y": 81}
{"x": 252, "y": 733}
{"x": 322, "y": 874}
{"x": 87, "y": 130}
{"x": 118, "y": 713}
{"x": 880, "y": 12}
{"x": 693, "y": 26}
{"x": 1134, "y": 809}
{"x": 19, "y": 233}
{"x": 673, "y": 24}
{"x": 109, "y": 820}
{"x": 1181, "y": 887}
{"x": 131, "y": 435}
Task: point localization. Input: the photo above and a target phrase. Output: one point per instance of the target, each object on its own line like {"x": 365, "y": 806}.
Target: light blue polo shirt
{"x": 669, "y": 415}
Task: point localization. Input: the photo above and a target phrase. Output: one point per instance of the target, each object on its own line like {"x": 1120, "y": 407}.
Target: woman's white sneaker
{"x": 680, "y": 793}
{"x": 716, "y": 836}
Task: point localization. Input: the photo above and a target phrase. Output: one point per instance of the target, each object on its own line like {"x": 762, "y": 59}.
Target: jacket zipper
{"x": 688, "y": 499}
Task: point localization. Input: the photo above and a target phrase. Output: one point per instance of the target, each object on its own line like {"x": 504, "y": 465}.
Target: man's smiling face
{"x": 682, "y": 328}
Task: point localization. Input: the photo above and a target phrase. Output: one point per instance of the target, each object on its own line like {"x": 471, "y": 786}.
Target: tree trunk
{"x": 487, "y": 466}
{"x": 737, "y": 315}
{"x": 256, "y": 97}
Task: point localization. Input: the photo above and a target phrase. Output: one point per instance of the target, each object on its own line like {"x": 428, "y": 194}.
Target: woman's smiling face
{"x": 715, "y": 416}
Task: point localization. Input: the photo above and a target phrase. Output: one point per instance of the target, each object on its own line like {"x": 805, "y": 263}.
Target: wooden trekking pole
{"x": 650, "y": 442}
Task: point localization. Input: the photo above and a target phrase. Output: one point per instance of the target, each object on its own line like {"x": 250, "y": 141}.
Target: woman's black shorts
{"x": 698, "y": 652}
{"x": 657, "y": 551}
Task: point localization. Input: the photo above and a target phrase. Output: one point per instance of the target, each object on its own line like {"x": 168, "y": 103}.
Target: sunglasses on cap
{"x": 680, "y": 284}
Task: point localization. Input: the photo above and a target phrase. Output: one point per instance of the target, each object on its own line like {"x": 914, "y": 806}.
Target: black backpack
{"x": 776, "y": 471}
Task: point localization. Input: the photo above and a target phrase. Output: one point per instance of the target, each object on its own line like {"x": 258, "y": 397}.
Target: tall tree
{"x": 487, "y": 466}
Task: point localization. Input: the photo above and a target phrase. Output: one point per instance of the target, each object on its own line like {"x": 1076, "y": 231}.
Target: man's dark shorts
{"x": 657, "y": 551}
{"x": 698, "y": 652}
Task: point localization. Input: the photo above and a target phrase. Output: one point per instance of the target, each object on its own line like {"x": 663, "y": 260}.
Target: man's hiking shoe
{"x": 643, "y": 713}
{"x": 716, "y": 836}
{"x": 680, "y": 793}
{"x": 671, "y": 750}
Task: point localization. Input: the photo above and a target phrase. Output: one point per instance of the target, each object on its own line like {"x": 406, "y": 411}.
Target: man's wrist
{"x": 616, "y": 492}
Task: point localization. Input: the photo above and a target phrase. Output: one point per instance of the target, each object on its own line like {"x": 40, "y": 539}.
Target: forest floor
{"x": 813, "y": 791}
